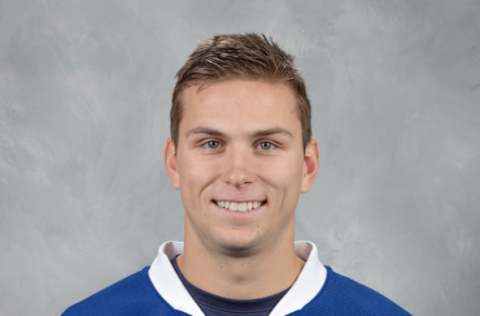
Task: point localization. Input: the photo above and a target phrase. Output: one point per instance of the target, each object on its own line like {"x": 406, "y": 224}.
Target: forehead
{"x": 240, "y": 105}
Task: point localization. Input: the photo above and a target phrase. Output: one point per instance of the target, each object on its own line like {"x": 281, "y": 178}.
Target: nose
{"x": 238, "y": 171}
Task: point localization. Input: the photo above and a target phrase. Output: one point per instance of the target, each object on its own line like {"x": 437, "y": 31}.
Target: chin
{"x": 238, "y": 247}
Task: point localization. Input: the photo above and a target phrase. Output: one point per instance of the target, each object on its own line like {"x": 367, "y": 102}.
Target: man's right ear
{"x": 170, "y": 162}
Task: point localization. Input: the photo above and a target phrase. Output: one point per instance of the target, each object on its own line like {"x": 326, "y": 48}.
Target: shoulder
{"x": 132, "y": 295}
{"x": 344, "y": 296}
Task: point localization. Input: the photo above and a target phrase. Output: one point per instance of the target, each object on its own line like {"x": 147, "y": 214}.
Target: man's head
{"x": 241, "y": 151}
{"x": 240, "y": 56}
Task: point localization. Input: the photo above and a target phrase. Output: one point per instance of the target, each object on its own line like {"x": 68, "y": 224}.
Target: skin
{"x": 240, "y": 140}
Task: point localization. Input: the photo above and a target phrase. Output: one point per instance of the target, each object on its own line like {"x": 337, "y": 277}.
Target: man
{"x": 240, "y": 152}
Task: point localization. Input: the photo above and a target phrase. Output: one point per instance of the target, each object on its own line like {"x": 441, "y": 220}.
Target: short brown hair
{"x": 246, "y": 56}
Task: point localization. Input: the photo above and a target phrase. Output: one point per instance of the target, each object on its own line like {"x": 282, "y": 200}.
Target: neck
{"x": 260, "y": 274}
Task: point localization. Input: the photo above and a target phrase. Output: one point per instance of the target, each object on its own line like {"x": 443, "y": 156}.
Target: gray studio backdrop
{"x": 84, "y": 97}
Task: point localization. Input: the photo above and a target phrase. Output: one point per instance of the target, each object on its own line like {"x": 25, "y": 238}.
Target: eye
{"x": 211, "y": 144}
{"x": 266, "y": 146}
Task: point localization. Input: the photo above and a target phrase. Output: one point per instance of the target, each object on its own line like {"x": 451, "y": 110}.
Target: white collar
{"x": 171, "y": 289}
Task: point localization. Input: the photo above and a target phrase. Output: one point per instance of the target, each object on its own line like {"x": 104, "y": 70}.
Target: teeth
{"x": 239, "y": 206}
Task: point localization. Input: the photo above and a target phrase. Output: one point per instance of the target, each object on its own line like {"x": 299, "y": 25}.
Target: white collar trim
{"x": 167, "y": 283}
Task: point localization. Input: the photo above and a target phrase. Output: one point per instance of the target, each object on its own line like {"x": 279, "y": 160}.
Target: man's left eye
{"x": 266, "y": 145}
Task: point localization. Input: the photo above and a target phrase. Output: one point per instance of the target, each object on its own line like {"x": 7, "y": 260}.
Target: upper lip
{"x": 237, "y": 200}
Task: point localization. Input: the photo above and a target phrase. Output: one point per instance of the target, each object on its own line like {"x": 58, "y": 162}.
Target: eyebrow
{"x": 258, "y": 133}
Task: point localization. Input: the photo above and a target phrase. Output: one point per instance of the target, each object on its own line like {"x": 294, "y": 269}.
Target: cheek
{"x": 285, "y": 181}
{"x": 286, "y": 172}
{"x": 195, "y": 173}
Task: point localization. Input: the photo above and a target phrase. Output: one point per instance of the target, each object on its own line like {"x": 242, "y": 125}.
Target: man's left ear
{"x": 310, "y": 164}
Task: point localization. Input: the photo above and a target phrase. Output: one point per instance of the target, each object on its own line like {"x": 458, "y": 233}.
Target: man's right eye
{"x": 211, "y": 144}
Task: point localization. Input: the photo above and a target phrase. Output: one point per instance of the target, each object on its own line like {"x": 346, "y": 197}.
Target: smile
{"x": 240, "y": 206}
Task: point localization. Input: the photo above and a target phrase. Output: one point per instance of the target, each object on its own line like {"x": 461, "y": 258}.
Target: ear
{"x": 310, "y": 164}
{"x": 170, "y": 162}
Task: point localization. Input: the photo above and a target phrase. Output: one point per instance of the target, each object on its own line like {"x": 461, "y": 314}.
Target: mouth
{"x": 240, "y": 207}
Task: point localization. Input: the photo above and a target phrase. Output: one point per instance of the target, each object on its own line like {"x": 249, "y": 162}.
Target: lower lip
{"x": 241, "y": 215}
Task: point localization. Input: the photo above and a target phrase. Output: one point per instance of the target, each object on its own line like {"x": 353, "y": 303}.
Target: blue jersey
{"x": 158, "y": 290}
